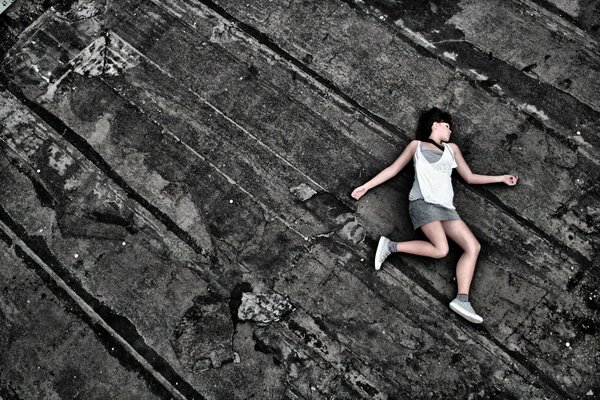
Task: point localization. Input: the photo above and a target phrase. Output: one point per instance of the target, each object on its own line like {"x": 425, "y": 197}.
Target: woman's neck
{"x": 435, "y": 143}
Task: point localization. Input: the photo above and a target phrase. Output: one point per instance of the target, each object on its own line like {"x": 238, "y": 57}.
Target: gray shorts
{"x": 422, "y": 213}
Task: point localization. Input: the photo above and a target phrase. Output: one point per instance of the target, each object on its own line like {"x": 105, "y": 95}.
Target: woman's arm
{"x": 389, "y": 172}
{"x": 476, "y": 179}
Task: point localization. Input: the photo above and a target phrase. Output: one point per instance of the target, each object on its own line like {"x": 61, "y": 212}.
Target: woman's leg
{"x": 437, "y": 247}
{"x": 460, "y": 233}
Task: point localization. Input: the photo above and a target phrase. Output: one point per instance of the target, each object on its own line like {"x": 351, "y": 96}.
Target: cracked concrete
{"x": 183, "y": 170}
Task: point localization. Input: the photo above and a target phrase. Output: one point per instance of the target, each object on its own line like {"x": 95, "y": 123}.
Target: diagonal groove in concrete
{"x": 552, "y": 8}
{"x": 102, "y": 319}
{"x": 262, "y": 205}
{"x": 391, "y": 129}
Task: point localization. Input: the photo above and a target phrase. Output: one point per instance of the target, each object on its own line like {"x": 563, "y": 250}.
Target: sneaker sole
{"x": 380, "y": 248}
{"x": 466, "y": 315}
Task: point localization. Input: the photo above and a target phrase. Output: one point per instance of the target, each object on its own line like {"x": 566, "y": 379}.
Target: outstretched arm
{"x": 476, "y": 179}
{"x": 389, "y": 172}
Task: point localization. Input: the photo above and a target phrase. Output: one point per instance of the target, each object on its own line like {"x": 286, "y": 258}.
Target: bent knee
{"x": 474, "y": 248}
{"x": 441, "y": 252}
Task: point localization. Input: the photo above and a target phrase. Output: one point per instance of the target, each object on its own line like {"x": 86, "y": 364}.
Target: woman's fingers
{"x": 511, "y": 180}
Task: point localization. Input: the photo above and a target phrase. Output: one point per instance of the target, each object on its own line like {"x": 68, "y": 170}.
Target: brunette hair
{"x": 427, "y": 118}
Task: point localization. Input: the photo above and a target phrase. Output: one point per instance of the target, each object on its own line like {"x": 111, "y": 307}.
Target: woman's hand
{"x": 359, "y": 192}
{"x": 510, "y": 180}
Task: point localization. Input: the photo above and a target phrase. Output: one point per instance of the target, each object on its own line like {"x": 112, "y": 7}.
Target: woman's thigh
{"x": 460, "y": 234}
{"x": 434, "y": 231}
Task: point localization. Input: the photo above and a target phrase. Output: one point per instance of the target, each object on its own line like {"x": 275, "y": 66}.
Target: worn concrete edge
{"x": 259, "y": 39}
{"x": 553, "y": 10}
{"x": 5, "y": 5}
{"x": 99, "y": 317}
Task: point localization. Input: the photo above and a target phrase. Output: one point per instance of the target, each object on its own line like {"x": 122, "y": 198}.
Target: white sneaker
{"x": 382, "y": 252}
{"x": 464, "y": 309}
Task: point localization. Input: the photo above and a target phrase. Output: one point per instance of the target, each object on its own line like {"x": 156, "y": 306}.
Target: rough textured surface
{"x": 176, "y": 174}
{"x": 263, "y": 308}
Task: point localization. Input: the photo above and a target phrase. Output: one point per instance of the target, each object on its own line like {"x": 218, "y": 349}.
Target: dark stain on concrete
{"x": 8, "y": 392}
{"x": 307, "y": 59}
{"x": 202, "y": 338}
{"x": 252, "y": 73}
{"x": 46, "y": 198}
{"x": 68, "y": 382}
{"x": 307, "y": 336}
{"x": 264, "y": 347}
{"x": 529, "y": 68}
{"x": 235, "y": 300}
{"x": 511, "y": 138}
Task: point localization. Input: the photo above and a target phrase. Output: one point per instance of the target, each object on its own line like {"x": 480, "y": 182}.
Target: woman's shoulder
{"x": 453, "y": 146}
{"x": 411, "y": 148}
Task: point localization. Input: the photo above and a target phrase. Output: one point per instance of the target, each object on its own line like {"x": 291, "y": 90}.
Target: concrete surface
{"x": 175, "y": 212}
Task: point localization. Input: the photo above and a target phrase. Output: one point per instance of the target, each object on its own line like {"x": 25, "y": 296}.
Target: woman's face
{"x": 441, "y": 130}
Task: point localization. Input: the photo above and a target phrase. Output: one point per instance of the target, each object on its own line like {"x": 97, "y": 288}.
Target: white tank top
{"x": 435, "y": 178}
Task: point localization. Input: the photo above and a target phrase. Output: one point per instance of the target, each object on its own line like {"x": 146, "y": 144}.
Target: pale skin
{"x": 438, "y": 232}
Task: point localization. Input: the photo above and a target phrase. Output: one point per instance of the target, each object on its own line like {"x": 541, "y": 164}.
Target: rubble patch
{"x": 222, "y": 34}
{"x": 263, "y": 308}
{"x": 303, "y": 192}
